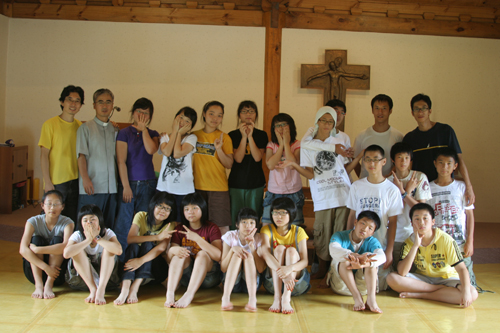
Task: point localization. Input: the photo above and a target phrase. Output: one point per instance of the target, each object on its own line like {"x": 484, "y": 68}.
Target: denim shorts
{"x": 297, "y": 198}
{"x": 451, "y": 282}
{"x": 240, "y": 285}
{"x": 301, "y": 287}
{"x": 212, "y": 278}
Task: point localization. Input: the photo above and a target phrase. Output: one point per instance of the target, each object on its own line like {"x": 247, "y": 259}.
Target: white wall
{"x": 4, "y": 38}
{"x": 173, "y": 65}
{"x": 461, "y": 75}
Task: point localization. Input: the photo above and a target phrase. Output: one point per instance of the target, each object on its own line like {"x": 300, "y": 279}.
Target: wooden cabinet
{"x": 13, "y": 171}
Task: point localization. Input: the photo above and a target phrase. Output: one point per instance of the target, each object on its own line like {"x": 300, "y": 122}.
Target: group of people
{"x": 194, "y": 225}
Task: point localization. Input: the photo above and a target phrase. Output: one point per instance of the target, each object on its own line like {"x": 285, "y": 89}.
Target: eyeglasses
{"x": 280, "y": 125}
{"x": 146, "y": 113}
{"x": 71, "y": 100}
{"x": 249, "y": 111}
{"x": 104, "y": 102}
{"x": 166, "y": 209}
{"x": 280, "y": 213}
{"x": 370, "y": 160}
{"x": 326, "y": 122}
{"x": 53, "y": 205}
{"x": 424, "y": 109}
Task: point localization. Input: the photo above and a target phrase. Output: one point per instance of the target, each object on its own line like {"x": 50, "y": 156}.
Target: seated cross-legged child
{"x": 356, "y": 257}
{"x": 195, "y": 252}
{"x": 440, "y": 273}
{"x": 453, "y": 216}
{"x": 148, "y": 240}
{"x": 379, "y": 195}
{"x": 42, "y": 245}
{"x": 93, "y": 250}
{"x": 414, "y": 188}
{"x": 240, "y": 262}
{"x": 284, "y": 248}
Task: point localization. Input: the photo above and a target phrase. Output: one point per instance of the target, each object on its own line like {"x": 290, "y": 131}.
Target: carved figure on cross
{"x": 337, "y": 76}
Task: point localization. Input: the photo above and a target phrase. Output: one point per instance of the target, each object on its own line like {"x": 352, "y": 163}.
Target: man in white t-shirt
{"x": 377, "y": 194}
{"x": 381, "y": 133}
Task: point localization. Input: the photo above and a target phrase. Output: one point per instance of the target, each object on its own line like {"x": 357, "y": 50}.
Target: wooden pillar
{"x": 274, "y": 22}
{"x": 272, "y": 68}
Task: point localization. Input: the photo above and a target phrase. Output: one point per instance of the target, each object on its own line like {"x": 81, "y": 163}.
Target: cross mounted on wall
{"x": 335, "y": 76}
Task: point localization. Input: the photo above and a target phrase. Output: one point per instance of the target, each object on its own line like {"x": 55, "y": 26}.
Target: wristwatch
{"x": 403, "y": 196}
{"x": 96, "y": 238}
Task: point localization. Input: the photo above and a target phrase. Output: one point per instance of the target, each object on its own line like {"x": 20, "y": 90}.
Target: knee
{"x": 292, "y": 254}
{"x": 392, "y": 279}
{"x": 202, "y": 255}
{"x": 279, "y": 250}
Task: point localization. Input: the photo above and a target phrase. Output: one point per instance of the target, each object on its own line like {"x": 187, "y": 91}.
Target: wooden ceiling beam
{"x": 392, "y": 25}
{"x": 139, "y": 14}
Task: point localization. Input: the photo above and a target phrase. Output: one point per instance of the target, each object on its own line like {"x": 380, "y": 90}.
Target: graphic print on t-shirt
{"x": 325, "y": 161}
{"x": 370, "y": 203}
{"x": 192, "y": 246}
{"x": 174, "y": 168}
{"x": 205, "y": 148}
{"x": 449, "y": 214}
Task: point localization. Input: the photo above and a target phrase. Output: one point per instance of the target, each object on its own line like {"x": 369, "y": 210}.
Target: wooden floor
{"x": 318, "y": 311}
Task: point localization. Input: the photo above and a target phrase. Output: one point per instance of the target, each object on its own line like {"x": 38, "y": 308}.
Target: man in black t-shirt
{"x": 430, "y": 136}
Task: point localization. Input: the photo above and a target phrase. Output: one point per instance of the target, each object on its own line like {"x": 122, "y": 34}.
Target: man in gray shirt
{"x": 96, "y": 153}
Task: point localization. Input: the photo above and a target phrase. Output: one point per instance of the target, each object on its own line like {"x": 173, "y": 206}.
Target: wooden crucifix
{"x": 335, "y": 76}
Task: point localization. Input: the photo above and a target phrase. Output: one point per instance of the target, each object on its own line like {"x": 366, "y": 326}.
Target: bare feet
{"x": 276, "y": 306}
{"x": 286, "y": 307}
{"x": 91, "y": 297}
{"x": 47, "y": 292}
{"x": 359, "y": 305}
{"x": 373, "y": 306}
{"x": 99, "y": 297}
{"x": 226, "y": 304}
{"x": 408, "y": 295}
{"x": 38, "y": 293}
{"x": 132, "y": 297}
{"x": 169, "y": 303}
{"x": 250, "y": 308}
{"x": 121, "y": 298}
{"x": 184, "y": 301}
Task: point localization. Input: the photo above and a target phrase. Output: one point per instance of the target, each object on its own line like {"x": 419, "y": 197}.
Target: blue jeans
{"x": 105, "y": 201}
{"x": 142, "y": 191}
{"x": 155, "y": 269}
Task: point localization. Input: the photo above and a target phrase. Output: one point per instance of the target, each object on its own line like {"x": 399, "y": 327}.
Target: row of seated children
{"x": 189, "y": 252}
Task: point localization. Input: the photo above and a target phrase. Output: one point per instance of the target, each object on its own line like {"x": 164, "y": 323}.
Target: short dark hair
{"x": 102, "y": 91}
{"x": 446, "y": 152}
{"x": 208, "y": 105}
{"x": 71, "y": 89}
{"x": 157, "y": 199}
{"x": 401, "y": 147}
{"x": 336, "y": 102}
{"x": 291, "y": 123}
{"x": 371, "y": 216}
{"x": 195, "y": 199}
{"x": 91, "y": 210}
{"x": 248, "y": 104}
{"x": 55, "y": 192}
{"x": 190, "y": 113}
{"x": 246, "y": 213}
{"x": 382, "y": 98}
{"x": 376, "y": 148}
{"x": 144, "y": 104}
{"x": 421, "y": 206}
{"x": 421, "y": 97}
{"x": 286, "y": 204}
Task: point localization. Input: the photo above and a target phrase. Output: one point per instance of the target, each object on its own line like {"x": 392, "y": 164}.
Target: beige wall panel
{"x": 173, "y": 65}
{"x": 461, "y": 75}
{"x": 4, "y": 38}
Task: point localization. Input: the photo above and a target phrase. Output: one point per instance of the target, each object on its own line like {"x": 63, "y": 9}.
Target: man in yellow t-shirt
{"x": 58, "y": 150}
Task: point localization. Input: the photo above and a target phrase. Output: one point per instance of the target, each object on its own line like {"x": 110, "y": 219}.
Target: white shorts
{"x": 338, "y": 285}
